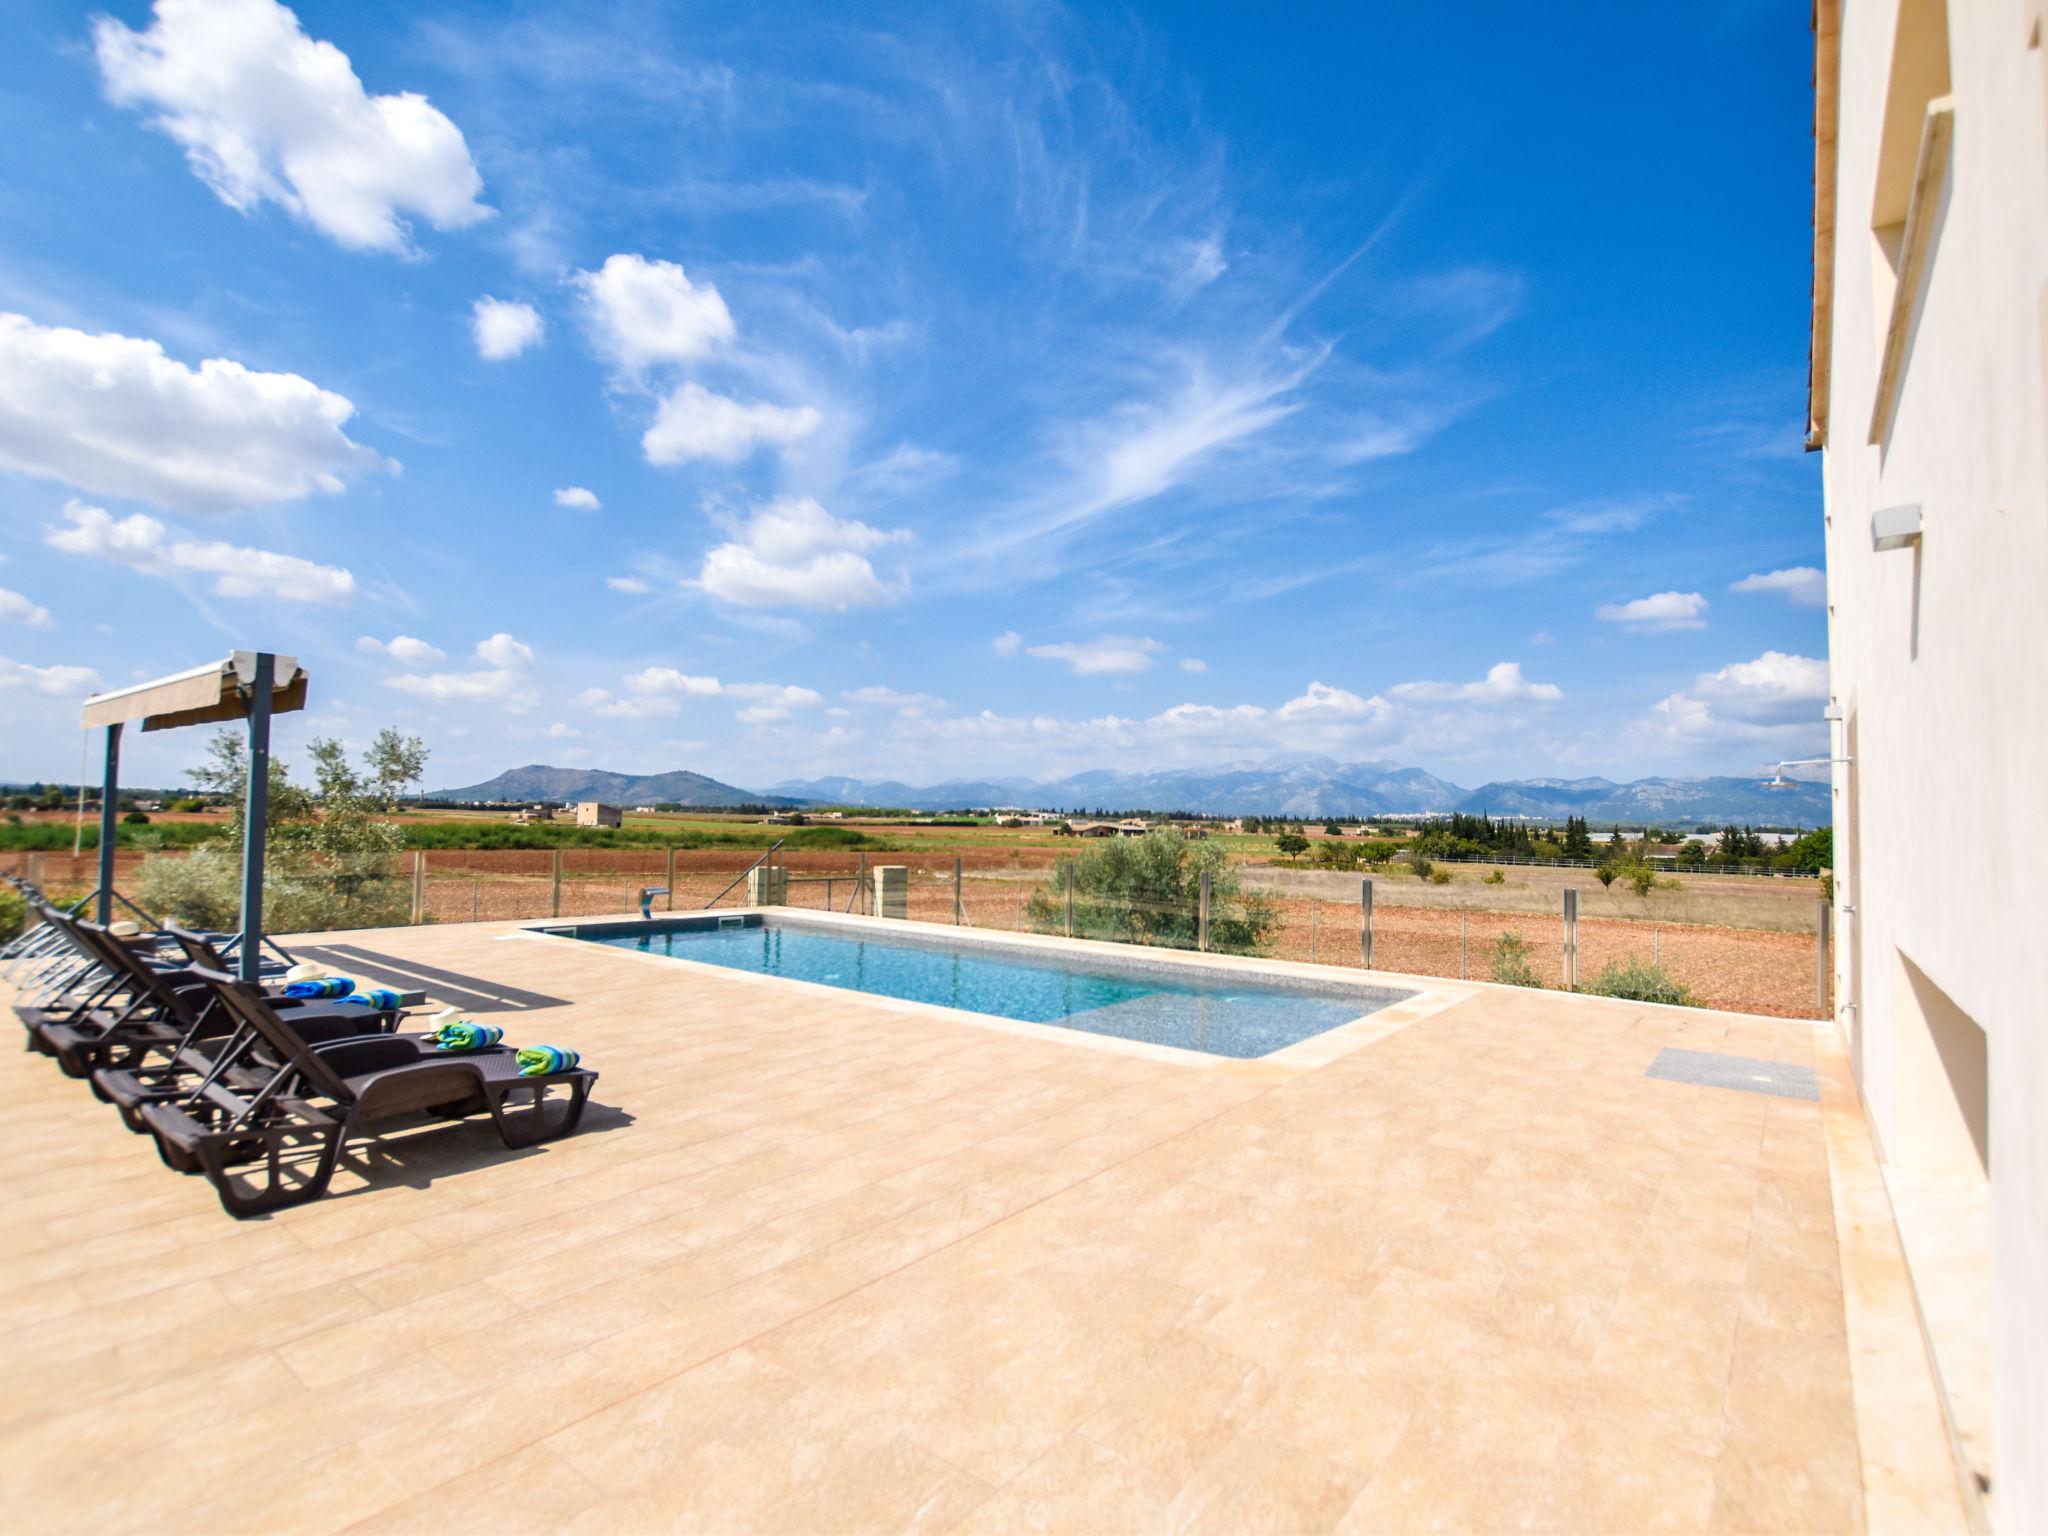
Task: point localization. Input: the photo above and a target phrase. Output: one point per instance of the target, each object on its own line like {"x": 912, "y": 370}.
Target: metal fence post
{"x": 472, "y": 901}
{"x": 1311, "y": 933}
{"x": 1365, "y": 925}
{"x": 1571, "y": 938}
{"x": 863, "y": 893}
{"x": 1069, "y": 882}
{"x": 959, "y": 897}
{"x": 670, "y": 882}
{"x": 1202, "y": 915}
{"x": 555, "y": 869}
{"x": 419, "y": 885}
{"x": 1821, "y": 916}
{"x": 1463, "y": 920}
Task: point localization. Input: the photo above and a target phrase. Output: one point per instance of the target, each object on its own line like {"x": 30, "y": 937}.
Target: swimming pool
{"x": 1138, "y": 999}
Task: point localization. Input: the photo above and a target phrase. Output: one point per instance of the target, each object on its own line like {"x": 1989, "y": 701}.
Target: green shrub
{"x": 135, "y": 819}
{"x": 1642, "y": 982}
{"x": 1438, "y": 875}
{"x": 1510, "y": 964}
{"x": 1605, "y": 874}
{"x": 1146, "y": 890}
{"x": 1641, "y": 878}
{"x": 13, "y": 913}
{"x": 1493, "y": 877}
{"x": 1422, "y": 867}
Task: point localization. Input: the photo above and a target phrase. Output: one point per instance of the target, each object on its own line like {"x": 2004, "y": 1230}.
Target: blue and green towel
{"x": 545, "y": 1060}
{"x": 381, "y": 998}
{"x": 330, "y": 986}
{"x": 461, "y": 1035}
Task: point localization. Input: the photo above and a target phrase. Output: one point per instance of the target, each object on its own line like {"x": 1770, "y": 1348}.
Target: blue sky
{"x": 910, "y": 393}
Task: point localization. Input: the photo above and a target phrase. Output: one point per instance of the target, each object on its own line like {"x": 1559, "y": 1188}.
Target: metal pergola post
{"x": 256, "y": 818}
{"x": 110, "y": 792}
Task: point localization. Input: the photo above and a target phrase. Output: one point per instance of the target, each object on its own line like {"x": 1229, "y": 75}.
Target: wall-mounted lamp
{"x": 1895, "y": 527}
{"x": 1777, "y": 780}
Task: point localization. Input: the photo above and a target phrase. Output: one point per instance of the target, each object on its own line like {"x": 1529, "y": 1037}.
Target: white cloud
{"x": 1802, "y": 584}
{"x": 504, "y": 678}
{"x": 694, "y": 423}
{"x": 1773, "y": 701}
{"x": 792, "y": 553}
{"x": 1502, "y": 684}
{"x": 58, "y": 682}
{"x": 1146, "y": 448}
{"x": 403, "y": 649}
{"x": 642, "y": 313}
{"x": 1201, "y": 263}
{"x": 501, "y": 650}
{"x": 113, "y": 415}
{"x": 651, "y": 693}
{"x": 1193, "y": 664}
{"x": 667, "y": 680}
{"x": 561, "y": 732}
{"x": 1105, "y": 655}
{"x": 631, "y": 584}
{"x": 890, "y": 698}
{"x": 145, "y": 544}
{"x": 1322, "y": 700}
{"x": 1659, "y": 611}
{"x": 18, "y": 609}
{"x": 602, "y": 702}
{"x": 266, "y": 114}
{"x": 499, "y": 685}
{"x": 1775, "y": 685}
{"x": 503, "y": 328}
{"x": 772, "y": 701}
{"x": 577, "y": 498}
{"x": 1008, "y": 643}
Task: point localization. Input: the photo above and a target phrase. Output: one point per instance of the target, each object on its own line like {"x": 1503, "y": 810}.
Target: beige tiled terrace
{"x": 823, "y": 1263}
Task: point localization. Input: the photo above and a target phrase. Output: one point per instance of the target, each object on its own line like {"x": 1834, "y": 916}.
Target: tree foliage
{"x": 1147, "y": 890}
{"x": 329, "y": 853}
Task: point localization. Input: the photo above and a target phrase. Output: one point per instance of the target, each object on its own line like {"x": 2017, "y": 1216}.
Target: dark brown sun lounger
{"x": 163, "y": 1007}
{"x": 277, "y": 1144}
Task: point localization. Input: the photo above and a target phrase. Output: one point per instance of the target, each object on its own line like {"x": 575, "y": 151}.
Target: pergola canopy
{"x": 220, "y": 690}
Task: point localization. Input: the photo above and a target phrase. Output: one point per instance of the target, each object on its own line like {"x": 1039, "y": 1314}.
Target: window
{"x": 1912, "y": 166}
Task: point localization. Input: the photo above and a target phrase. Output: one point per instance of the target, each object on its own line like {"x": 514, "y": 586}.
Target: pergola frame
{"x": 245, "y": 685}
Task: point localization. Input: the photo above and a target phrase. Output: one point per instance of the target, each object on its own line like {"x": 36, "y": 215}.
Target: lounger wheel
{"x": 546, "y": 1118}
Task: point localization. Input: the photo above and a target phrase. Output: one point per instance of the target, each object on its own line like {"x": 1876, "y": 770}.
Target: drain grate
{"x": 1780, "y": 1079}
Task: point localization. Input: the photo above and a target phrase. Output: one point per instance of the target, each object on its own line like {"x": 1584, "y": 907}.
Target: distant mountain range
{"x": 1321, "y": 786}
{"x": 537, "y": 781}
{"x": 1295, "y": 786}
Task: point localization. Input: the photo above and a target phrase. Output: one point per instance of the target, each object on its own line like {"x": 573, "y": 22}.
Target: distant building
{"x": 591, "y": 813}
{"x": 1929, "y": 392}
{"x": 535, "y": 813}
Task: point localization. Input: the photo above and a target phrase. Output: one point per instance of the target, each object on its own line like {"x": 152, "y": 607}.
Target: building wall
{"x": 1940, "y": 665}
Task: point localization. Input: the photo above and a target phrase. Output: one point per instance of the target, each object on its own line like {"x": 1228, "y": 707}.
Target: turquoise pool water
{"x": 1237, "y": 1020}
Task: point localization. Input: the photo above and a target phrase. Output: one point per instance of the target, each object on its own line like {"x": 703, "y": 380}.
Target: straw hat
{"x": 306, "y": 971}
{"x": 125, "y": 929}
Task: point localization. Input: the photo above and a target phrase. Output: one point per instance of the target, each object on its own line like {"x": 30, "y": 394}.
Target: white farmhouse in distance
{"x": 1929, "y": 394}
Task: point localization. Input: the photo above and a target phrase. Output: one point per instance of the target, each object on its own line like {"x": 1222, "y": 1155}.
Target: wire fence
{"x": 1757, "y": 970}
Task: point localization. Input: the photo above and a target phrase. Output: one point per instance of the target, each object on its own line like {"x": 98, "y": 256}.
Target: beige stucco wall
{"x": 1940, "y": 660}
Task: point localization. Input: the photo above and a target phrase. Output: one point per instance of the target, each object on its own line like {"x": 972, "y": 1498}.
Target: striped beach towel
{"x": 381, "y": 998}
{"x": 461, "y": 1035}
{"x": 327, "y": 986}
{"x": 545, "y": 1060}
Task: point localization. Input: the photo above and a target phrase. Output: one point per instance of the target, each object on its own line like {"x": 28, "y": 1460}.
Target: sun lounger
{"x": 277, "y": 1144}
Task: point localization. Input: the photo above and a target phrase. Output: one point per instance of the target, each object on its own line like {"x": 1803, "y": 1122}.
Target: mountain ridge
{"x": 1284, "y": 786}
